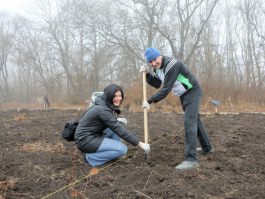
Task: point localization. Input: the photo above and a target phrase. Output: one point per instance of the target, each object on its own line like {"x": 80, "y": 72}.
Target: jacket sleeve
{"x": 111, "y": 122}
{"x": 153, "y": 80}
{"x": 171, "y": 73}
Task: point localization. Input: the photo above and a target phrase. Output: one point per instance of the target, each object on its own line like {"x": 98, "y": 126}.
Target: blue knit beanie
{"x": 151, "y": 54}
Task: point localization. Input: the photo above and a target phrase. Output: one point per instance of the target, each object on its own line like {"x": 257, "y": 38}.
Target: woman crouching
{"x": 99, "y": 130}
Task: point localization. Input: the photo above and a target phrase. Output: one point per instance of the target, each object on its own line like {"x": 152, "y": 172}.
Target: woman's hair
{"x": 110, "y": 90}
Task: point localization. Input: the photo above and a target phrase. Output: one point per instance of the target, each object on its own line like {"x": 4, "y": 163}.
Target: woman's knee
{"x": 122, "y": 149}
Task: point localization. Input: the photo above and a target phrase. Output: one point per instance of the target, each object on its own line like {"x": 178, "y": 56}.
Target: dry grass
{"x": 134, "y": 98}
{"x": 9, "y": 184}
{"x": 21, "y": 117}
{"x": 226, "y": 106}
{"x": 20, "y": 106}
{"x": 37, "y": 106}
{"x": 44, "y": 147}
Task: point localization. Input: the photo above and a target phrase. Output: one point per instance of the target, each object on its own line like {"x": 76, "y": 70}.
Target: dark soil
{"x": 36, "y": 163}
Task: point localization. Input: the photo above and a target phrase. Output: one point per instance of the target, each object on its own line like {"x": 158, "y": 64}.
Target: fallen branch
{"x": 142, "y": 194}
{"x": 149, "y": 178}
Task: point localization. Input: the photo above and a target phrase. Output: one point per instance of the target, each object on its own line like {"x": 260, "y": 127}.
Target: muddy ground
{"x": 36, "y": 163}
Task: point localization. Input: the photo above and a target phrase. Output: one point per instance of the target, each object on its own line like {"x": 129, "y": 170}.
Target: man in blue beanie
{"x": 151, "y": 54}
{"x": 172, "y": 75}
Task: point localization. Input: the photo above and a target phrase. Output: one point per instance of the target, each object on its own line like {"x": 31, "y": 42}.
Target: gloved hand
{"x": 122, "y": 120}
{"x": 145, "y": 147}
{"x": 143, "y": 68}
{"x": 146, "y": 105}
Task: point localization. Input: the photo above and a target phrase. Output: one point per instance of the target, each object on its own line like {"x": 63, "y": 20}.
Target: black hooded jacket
{"x": 89, "y": 132}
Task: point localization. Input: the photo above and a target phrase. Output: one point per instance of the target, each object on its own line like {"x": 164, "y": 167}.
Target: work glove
{"x": 146, "y": 105}
{"x": 122, "y": 120}
{"x": 143, "y": 68}
{"x": 145, "y": 147}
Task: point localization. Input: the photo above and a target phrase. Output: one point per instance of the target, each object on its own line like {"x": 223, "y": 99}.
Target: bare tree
{"x": 6, "y": 44}
{"x": 68, "y": 49}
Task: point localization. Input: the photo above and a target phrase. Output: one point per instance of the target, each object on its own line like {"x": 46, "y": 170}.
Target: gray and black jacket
{"x": 89, "y": 132}
{"x": 174, "y": 76}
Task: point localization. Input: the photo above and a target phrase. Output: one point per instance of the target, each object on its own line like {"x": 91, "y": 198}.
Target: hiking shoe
{"x": 187, "y": 165}
{"x": 200, "y": 151}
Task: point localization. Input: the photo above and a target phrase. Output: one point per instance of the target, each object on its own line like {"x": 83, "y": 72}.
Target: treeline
{"x": 67, "y": 49}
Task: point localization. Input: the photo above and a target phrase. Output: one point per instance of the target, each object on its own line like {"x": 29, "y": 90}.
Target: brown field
{"x": 36, "y": 163}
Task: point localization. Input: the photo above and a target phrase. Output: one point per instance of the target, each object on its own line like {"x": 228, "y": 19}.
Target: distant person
{"x": 46, "y": 103}
{"x": 174, "y": 76}
{"x": 99, "y": 130}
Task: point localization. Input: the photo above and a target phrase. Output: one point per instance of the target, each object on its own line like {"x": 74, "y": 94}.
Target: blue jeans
{"x": 110, "y": 148}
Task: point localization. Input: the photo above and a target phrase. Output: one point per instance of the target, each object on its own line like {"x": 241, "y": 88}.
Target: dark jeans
{"x": 193, "y": 125}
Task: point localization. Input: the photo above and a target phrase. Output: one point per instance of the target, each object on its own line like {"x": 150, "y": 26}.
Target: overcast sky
{"x": 15, "y": 6}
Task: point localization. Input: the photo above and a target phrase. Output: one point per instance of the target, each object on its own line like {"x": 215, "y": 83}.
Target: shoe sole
{"x": 200, "y": 151}
{"x": 188, "y": 168}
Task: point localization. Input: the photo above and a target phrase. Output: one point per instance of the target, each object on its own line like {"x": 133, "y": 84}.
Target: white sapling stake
{"x": 145, "y": 112}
